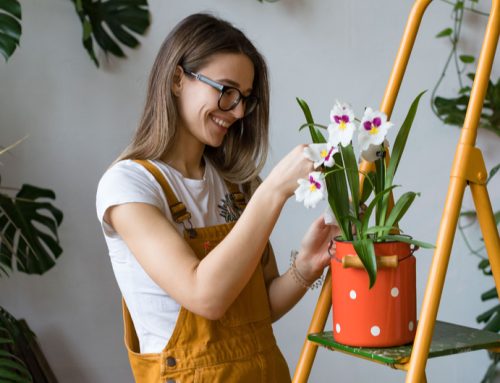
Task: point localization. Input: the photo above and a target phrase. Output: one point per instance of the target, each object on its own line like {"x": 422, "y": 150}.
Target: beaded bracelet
{"x": 297, "y": 276}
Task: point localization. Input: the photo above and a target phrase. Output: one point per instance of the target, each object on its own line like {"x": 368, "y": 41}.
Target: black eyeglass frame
{"x": 223, "y": 88}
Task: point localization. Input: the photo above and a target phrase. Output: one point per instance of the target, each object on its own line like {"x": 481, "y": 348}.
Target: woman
{"x": 189, "y": 247}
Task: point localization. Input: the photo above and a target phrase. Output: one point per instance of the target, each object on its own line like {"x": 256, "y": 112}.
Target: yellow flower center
{"x": 342, "y": 125}
{"x": 324, "y": 153}
{"x": 312, "y": 187}
{"x": 373, "y": 130}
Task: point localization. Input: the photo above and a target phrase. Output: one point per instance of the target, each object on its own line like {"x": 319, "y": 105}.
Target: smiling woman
{"x": 188, "y": 245}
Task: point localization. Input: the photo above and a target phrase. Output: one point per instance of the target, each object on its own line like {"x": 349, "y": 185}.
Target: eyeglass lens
{"x": 230, "y": 98}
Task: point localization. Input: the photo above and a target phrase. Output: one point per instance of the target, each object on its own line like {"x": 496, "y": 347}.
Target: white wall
{"x": 79, "y": 118}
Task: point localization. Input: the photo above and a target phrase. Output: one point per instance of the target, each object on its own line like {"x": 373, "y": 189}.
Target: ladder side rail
{"x": 468, "y": 166}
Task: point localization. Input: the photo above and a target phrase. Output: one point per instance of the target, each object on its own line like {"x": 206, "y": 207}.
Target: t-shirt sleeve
{"x": 126, "y": 182}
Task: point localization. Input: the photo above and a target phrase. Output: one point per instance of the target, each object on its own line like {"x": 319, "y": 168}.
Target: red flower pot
{"x": 383, "y": 316}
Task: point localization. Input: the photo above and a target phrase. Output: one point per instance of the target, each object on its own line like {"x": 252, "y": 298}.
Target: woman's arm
{"x": 208, "y": 287}
{"x": 285, "y": 291}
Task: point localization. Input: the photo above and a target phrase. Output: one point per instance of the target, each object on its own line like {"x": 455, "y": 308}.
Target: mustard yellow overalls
{"x": 240, "y": 347}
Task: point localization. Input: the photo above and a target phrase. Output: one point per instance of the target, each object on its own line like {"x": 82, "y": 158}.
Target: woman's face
{"x": 200, "y": 117}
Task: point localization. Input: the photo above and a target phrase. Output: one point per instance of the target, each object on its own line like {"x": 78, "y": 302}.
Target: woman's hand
{"x": 283, "y": 178}
{"x": 313, "y": 256}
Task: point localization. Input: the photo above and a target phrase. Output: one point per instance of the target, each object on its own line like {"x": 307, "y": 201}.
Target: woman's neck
{"x": 186, "y": 156}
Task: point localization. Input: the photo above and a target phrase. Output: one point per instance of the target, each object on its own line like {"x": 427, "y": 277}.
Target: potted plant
{"x": 29, "y": 243}
{"x": 373, "y": 268}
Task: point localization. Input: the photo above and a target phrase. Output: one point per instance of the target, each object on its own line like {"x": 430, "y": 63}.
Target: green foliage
{"x": 29, "y": 230}
{"x": 451, "y": 110}
{"x": 29, "y": 243}
{"x": 111, "y": 23}
{"x": 10, "y": 27}
{"x": 12, "y": 367}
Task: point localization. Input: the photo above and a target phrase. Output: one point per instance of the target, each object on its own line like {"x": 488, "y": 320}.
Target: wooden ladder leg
{"x": 489, "y": 230}
{"x": 317, "y": 324}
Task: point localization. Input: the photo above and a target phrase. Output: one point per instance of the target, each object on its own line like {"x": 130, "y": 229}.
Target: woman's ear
{"x": 177, "y": 83}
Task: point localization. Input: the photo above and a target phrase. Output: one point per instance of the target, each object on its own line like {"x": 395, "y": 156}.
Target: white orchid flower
{"x": 342, "y": 125}
{"x": 321, "y": 154}
{"x": 312, "y": 190}
{"x": 373, "y": 128}
{"x": 373, "y": 152}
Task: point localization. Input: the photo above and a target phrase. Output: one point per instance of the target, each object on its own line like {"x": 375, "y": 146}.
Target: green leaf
{"x": 399, "y": 210}
{"x": 368, "y": 184}
{"x": 307, "y": 125}
{"x": 445, "y": 32}
{"x": 493, "y": 324}
{"x": 351, "y": 173}
{"x": 490, "y": 294}
{"x": 28, "y": 235}
{"x": 111, "y": 24}
{"x": 338, "y": 197}
{"x": 376, "y": 229}
{"x": 316, "y": 136}
{"x": 411, "y": 241}
{"x": 10, "y": 27}
{"x": 459, "y": 5}
{"x": 467, "y": 59}
{"x": 366, "y": 252}
{"x": 380, "y": 185}
{"x": 493, "y": 171}
{"x": 13, "y": 7}
{"x": 400, "y": 142}
{"x": 484, "y": 317}
{"x": 369, "y": 210}
{"x": 465, "y": 90}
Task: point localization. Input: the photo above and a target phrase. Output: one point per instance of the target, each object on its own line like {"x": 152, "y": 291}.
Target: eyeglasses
{"x": 229, "y": 96}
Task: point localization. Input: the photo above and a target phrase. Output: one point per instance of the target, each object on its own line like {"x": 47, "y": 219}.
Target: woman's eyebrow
{"x": 234, "y": 84}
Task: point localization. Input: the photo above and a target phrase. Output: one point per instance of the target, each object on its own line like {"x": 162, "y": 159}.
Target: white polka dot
{"x": 337, "y": 328}
{"x": 411, "y": 325}
{"x": 375, "y": 330}
{"x": 394, "y": 292}
{"x": 352, "y": 294}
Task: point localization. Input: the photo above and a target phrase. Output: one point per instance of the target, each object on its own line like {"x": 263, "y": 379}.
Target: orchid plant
{"x": 337, "y": 178}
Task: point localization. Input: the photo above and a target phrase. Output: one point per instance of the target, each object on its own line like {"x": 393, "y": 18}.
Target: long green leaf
{"x": 399, "y": 210}
{"x": 368, "y": 187}
{"x": 411, "y": 241}
{"x": 352, "y": 175}
{"x": 400, "y": 142}
{"x": 316, "y": 136}
{"x": 338, "y": 198}
{"x": 381, "y": 185}
{"x": 366, "y": 252}
{"x": 369, "y": 210}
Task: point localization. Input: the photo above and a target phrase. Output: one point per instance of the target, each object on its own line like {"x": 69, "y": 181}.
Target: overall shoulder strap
{"x": 238, "y": 196}
{"x": 177, "y": 208}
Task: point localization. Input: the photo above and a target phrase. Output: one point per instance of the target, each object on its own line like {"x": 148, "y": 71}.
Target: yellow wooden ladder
{"x": 433, "y": 338}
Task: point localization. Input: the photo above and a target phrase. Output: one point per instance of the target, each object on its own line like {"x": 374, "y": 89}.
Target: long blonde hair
{"x": 191, "y": 44}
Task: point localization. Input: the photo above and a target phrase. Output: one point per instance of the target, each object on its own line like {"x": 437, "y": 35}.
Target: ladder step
{"x": 448, "y": 339}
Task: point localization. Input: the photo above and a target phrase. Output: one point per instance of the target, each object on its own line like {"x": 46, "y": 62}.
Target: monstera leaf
{"x": 10, "y": 27}
{"x": 111, "y": 23}
{"x": 28, "y": 230}
{"x": 452, "y": 110}
{"x": 12, "y": 365}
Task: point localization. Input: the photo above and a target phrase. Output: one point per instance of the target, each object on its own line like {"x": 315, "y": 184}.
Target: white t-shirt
{"x": 153, "y": 311}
